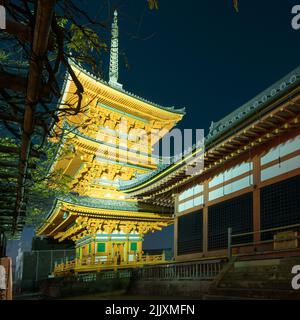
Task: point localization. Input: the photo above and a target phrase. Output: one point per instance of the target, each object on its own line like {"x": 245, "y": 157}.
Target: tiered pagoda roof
{"x": 96, "y": 163}
{"x": 172, "y": 109}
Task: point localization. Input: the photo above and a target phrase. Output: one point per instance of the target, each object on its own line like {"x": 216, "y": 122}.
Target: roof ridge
{"x": 93, "y": 76}
{"x": 255, "y": 104}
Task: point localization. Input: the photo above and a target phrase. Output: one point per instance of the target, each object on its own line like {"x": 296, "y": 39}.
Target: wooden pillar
{"x": 139, "y": 247}
{"x": 149, "y": 141}
{"x": 109, "y": 250}
{"x": 175, "y": 238}
{"x": 205, "y": 217}
{"x": 126, "y": 249}
{"x": 256, "y": 197}
{"x": 122, "y": 253}
{"x": 92, "y": 247}
{"x": 175, "y": 227}
{"x": 80, "y": 253}
{"x": 78, "y": 256}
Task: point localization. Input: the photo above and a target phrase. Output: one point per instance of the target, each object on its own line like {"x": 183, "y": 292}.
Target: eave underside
{"x": 73, "y": 221}
{"x": 242, "y": 142}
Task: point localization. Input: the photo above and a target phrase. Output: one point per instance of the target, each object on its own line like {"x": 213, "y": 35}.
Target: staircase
{"x": 256, "y": 279}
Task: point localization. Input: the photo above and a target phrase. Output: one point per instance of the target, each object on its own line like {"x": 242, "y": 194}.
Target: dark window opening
{"x": 235, "y": 213}
{"x": 280, "y": 205}
{"x": 190, "y": 233}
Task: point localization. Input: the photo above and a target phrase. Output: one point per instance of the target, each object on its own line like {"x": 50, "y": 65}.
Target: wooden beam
{"x": 282, "y": 119}
{"x": 270, "y": 123}
{"x": 290, "y": 112}
{"x": 44, "y": 14}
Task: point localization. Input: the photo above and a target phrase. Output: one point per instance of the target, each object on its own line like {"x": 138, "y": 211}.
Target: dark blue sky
{"x": 204, "y": 56}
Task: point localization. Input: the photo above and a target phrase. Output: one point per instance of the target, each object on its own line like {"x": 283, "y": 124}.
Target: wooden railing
{"x": 277, "y": 239}
{"x": 198, "y": 270}
{"x": 201, "y": 270}
{"x": 64, "y": 267}
{"x": 90, "y": 263}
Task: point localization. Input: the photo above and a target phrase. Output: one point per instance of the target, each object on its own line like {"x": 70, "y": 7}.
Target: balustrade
{"x": 91, "y": 263}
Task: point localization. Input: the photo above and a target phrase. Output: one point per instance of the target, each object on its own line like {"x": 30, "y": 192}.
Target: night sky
{"x": 204, "y": 56}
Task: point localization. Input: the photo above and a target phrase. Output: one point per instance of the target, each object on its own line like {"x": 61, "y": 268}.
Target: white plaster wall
{"x": 231, "y": 187}
{"x": 280, "y": 168}
{"x": 281, "y": 150}
{"x": 231, "y": 173}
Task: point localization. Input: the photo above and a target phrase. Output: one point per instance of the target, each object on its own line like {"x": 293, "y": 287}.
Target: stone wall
{"x": 170, "y": 288}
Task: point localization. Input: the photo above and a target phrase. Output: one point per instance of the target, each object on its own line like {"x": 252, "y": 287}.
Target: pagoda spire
{"x": 114, "y": 54}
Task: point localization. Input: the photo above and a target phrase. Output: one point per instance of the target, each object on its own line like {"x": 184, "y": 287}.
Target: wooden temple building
{"x": 246, "y": 199}
{"x": 110, "y": 141}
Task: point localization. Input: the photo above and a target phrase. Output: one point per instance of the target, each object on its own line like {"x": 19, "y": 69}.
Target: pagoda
{"x": 109, "y": 142}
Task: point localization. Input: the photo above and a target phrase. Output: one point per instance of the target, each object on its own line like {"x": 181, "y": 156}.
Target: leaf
{"x": 62, "y": 22}
{"x": 153, "y": 4}
{"x": 236, "y": 5}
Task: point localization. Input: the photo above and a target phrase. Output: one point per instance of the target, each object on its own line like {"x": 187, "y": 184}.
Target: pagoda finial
{"x": 114, "y": 54}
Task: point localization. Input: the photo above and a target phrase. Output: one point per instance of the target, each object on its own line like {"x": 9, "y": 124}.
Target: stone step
{"x": 257, "y": 285}
{"x": 233, "y": 279}
{"x": 286, "y": 268}
{"x": 259, "y": 276}
{"x": 262, "y": 279}
{"x": 257, "y": 293}
{"x": 223, "y": 297}
{"x": 256, "y": 269}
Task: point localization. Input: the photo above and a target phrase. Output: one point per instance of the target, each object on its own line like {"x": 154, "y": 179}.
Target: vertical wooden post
{"x": 126, "y": 249}
{"x": 176, "y": 227}
{"x": 205, "y": 217}
{"x": 139, "y": 252}
{"x": 37, "y": 266}
{"x": 80, "y": 256}
{"x": 109, "y": 251}
{"x": 229, "y": 241}
{"x": 256, "y": 198}
{"x": 51, "y": 263}
{"x": 95, "y": 250}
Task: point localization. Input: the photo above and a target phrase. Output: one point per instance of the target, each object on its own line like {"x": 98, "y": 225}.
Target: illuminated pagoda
{"x": 110, "y": 141}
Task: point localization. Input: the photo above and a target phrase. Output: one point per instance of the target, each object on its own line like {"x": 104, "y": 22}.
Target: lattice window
{"x": 280, "y": 205}
{"x": 235, "y": 213}
{"x": 190, "y": 233}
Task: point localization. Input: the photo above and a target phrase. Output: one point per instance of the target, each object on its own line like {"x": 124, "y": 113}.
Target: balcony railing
{"x": 195, "y": 270}
{"x": 198, "y": 270}
{"x": 93, "y": 263}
